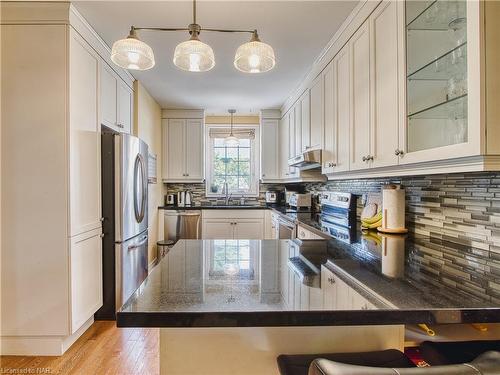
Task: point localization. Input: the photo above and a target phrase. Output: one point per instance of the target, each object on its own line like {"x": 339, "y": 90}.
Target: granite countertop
{"x": 395, "y": 280}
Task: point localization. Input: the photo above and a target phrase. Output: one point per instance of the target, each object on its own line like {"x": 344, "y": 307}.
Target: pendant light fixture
{"x": 193, "y": 55}
{"x": 231, "y": 140}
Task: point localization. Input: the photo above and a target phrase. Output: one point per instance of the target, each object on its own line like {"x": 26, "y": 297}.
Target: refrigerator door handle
{"x": 139, "y": 168}
{"x": 138, "y": 245}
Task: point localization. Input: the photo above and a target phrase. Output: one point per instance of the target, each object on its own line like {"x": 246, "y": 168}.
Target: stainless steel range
{"x": 338, "y": 215}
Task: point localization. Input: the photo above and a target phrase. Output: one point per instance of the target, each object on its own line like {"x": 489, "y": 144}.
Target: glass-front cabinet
{"x": 438, "y": 78}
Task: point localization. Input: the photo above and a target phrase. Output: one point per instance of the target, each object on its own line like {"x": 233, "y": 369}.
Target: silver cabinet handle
{"x": 363, "y": 158}
{"x": 331, "y": 165}
{"x": 367, "y": 158}
{"x": 370, "y": 157}
{"x": 102, "y": 219}
{"x": 398, "y": 152}
{"x": 101, "y": 235}
{"x": 263, "y": 175}
{"x": 187, "y": 174}
{"x": 331, "y": 280}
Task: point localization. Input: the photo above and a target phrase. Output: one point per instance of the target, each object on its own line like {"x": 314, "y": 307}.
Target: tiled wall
{"x": 199, "y": 197}
{"x": 461, "y": 208}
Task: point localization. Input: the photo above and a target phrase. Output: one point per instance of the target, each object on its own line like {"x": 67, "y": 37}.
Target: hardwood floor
{"x": 103, "y": 349}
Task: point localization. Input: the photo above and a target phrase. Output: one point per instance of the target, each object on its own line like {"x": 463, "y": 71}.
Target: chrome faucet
{"x": 226, "y": 191}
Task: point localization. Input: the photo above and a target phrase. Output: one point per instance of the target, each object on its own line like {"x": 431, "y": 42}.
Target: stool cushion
{"x": 486, "y": 364}
{"x": 298, "y": 364}
{"x": 165, "y": 243}
{"x": 448, "y": 353}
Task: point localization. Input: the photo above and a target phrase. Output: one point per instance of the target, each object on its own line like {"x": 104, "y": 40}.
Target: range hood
{"x": 307, "y": 160}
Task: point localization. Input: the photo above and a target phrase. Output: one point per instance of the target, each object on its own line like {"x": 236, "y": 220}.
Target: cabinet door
{"x": 360, "y": 129}
{"x": 174, "y": 157}
{"x": 328, "y": 288}
{"x": 125, "y": 105}
{"x": 305, "y": 122}
{"x": 108, "y": 97}
{"x": 384, "y": 57}
{"x": 329, "y": 155}
{"x": 284, "y": 169}
{"x": 218, "y": 229}
{"x": 194, "y": 150}
{"x": 291, "y": 141}
{"x": 269, "y": 150}
{"x": 86, "y": 277}
{"x": 85, "y": 138}
{"x": 317, "y": 114}
{"x": 297, "y": 108}
{"x": 247, "y": 229}
{"x": 343, "y": 108}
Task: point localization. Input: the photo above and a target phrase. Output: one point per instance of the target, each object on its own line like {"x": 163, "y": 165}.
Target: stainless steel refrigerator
{"x": 125, "y": 219}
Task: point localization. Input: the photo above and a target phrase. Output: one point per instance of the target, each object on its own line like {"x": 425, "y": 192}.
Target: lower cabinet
{"x": 337, "y": 295}
{"x": 86, "y": 276}
{"x": 233, "y": 224}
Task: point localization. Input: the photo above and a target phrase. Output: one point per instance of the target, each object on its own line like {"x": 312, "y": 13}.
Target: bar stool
{"x": 162, "y": 248}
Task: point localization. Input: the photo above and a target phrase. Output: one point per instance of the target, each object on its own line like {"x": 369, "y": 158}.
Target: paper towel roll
{"x": 393, "y": 207}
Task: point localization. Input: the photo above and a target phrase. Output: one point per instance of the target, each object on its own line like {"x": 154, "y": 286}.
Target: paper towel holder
{"x": 393, "y": 207}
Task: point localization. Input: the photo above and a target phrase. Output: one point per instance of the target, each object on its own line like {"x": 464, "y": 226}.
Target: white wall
{"x": 147, "y": 126}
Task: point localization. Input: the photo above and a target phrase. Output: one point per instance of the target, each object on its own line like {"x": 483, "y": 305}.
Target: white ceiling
{"x": 297, "y": 30}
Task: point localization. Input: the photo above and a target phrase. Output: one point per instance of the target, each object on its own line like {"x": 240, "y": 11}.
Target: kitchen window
{"x": 235, "y": 165}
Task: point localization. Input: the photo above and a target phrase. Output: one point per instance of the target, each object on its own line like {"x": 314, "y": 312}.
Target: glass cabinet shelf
{"x": 443, "y": 67}
{"x": 450, "y": 109}
{"x": 440, "y": 15}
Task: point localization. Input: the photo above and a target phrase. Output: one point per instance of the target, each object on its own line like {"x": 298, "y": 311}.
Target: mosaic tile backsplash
{"x": 460, "y": 208}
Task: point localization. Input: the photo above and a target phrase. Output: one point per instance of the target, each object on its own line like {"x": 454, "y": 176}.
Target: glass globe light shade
{"x": 254, "y": 57}
{"x": 194, "y": 56}
{"x": 131, "y": 53}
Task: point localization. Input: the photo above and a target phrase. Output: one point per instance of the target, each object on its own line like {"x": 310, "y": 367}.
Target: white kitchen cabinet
{"x": 125, "y": 106}
{"x": 248, "y": 229}
{"x": 305, "y": 121}
{"x": 329, "y": 154}
{"x": 385, "y": 85}
{"x": 60, "y": 155}
{"x": 317, "y": 113}
{"x": 116, "y": 100}
{"x": 360, "y": 92}
{"x": 183, "y": 150}
{"x": 233, "y": 224}
{"x": 85, "y": 276}
{"x": 293, "y": 172}
{"x": 297, "y": 109}
{"x": 342, "y": 107}
{"x": 84, "y": 139}
{"x": 269, "y": 151}
{"x": 283, "y": 147}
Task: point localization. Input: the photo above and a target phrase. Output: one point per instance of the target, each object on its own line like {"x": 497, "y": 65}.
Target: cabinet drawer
{"x": 233, "y": 214}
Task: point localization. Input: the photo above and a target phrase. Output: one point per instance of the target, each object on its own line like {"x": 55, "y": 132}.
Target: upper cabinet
{"x": 183, "y": 150}
{"x": 316, "y": 112}
{"x": 269, "y": 153}
{"x": 116, "y": 101}
{"x": 441, "y": 72}
{"x": 406, "y": 90}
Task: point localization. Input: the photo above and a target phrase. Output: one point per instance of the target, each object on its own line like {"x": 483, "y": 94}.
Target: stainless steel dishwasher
{"x": 182, "y": 224}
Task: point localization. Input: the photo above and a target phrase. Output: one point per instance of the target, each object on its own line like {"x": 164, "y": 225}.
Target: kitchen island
{"x": 231, "y": 306}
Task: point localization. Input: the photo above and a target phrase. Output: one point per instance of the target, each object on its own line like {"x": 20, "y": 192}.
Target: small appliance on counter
{"x": 271, "y": 197}
{"x": 393, "y": 209}
{"x": 184, "y": 198}
{"x": 338, "y": 215}
{"x": 171, "y": 199}
{"x": 300, "y": 201}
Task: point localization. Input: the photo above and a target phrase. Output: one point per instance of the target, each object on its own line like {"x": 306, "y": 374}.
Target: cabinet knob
{"x": 102, "y": 219}
{"x": 363, "y": 158}
{"x": 263, "y": 175}
{"x": 331, "y": 280}
{"x": 187, "y": 174}
{"x": 398, "y": 152}
{"x": 101, "y": 235}
{"x": 367, "y": 158}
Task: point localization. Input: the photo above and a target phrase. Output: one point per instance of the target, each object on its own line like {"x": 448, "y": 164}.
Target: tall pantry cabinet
{"x": 51, "y": 202}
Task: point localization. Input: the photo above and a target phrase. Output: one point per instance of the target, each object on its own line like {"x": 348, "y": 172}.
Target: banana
{"x": 371, "y": 220}
{"x": 372, "y": 225}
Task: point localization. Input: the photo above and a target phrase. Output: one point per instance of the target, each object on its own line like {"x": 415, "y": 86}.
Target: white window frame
{"x": 254, "y": 163}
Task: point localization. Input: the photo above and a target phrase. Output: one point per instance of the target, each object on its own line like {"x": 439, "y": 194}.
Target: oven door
{"x": 286, "y": 230}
